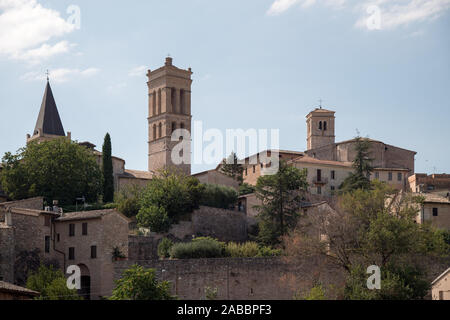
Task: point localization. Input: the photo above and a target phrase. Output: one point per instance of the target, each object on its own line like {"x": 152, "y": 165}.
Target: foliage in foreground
{"x": 51, "y": 284}
{"x": 57, "y": 170}
{"x": 138, "y": 283}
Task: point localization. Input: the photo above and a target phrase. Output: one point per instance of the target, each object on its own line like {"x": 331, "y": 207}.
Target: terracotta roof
{"x": 434, "y": 198}
{"x": 83, "y": 215}
{"x": 48, "y": 120}
{"x": 308, "y": 159}
{"x": 137, "y": 174}
{"x": 98, "y": 153}
{"x": 372, "y": 140}
{"x": 323, "y": 110}
{"x": 9, "y": 287}
{"x": 441, "y": 276}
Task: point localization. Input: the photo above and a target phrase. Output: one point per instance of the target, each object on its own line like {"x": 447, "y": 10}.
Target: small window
{"x": 435, "y": 212}
{"x": 377, "y": 175}
{"x": 254, "y": 169}
{"x": 47, "y": 221}
{"x": 71, "y": 230}
{"x": 93, "y": 252}
{"x": 390, "y": 176}
{"x": 320, "y": 125}
{"x": 47, "y": 244}
{"x": 333, "y": 175}
{"x": 84, "y": 228}
{"x": 262, "y": 166}
{"x": 246, "y": 172}
{"x": 71, "y": 253}
{"x": 58, "y": 238}
{"x": 319, "y": 190}
{"x": 333, "y": 188}
{"x": 319, "y": 175}
{"x": 399, "y": 176}
{"x": 324, "y": 126}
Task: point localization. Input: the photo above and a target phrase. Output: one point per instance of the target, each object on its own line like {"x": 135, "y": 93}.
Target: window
{"x": 58, "y": 238}
{"x": 93, "y": 252}
{"x": 84, "y": 229}
{"x": 319, "y": 190}
{"x": 320, "y": 125}
{"x": 324, "y": 126}
{"x": 390, "y": 176}
{"x": 47, "y": 221}
{"x": 154, "y": 132}
{"x": 71, "y": 230}
{"x": 333, "y": 175}
{"x": 174, "y": 126}
{"x": 399, "y": 176}
{"x": 319, "y": 175}
{"x": 333, "y": 188}
{"x": 262, "y": 166}
{"x": 71, "y": 253}
{"x": 246, "y": 172}
{"x": 435, "y": 212}
{"x": 254, "y": 169}
{"x": 47, "y": 244}
{"x": 160, "y": 130}
{"x": 377, "y": 175}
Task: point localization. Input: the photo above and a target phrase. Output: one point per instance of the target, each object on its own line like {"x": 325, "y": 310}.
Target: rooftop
{"x": 83, "y": 215}
{"x": 308, "y": 159}
{"x": 48, "y": 120}
{"x": 9, "y": 287}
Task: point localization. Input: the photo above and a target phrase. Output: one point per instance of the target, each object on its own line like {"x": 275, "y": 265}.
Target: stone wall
{"x": 7, "y": 253}
{"x": 237, "y": 279}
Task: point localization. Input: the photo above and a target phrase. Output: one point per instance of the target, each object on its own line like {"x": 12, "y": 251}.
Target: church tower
{"x": 169, "y": 108}
{"x": 320, "y": 128}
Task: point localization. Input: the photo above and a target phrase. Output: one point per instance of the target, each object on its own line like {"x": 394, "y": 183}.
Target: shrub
{"x": 128, "y": 200}
{"x": 197, "y": 249}
{"x": 250, "y": 250}
{"x": 219, "y": 196}
{"x": 155, "y": 218}
{"x": 164, "y": 248}
{"x": 246, "y": 188}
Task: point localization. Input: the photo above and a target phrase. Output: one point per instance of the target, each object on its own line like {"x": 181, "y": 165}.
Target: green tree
{"x": 138, "y": 283}
{"x": 281, "y": 196}
{"x": 246, "y": 188}
{"x": 128, "y": 200}
{"x": 51, "y": 284}
{"x": 232, "y": 168}
{"x": 362, "y": 165}
{"x": 107, "y": 170}
{"x": 167, "y": 197}
{"x": 57, "y": 170}
{"x": 218, "y": 196}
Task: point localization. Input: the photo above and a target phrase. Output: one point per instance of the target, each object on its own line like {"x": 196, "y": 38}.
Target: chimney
{"x": 8, "y": 218}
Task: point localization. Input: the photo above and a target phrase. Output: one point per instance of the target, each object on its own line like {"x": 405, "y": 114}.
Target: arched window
{"x": 160, "y": 130}
{"x": 182, "y": 125}
{"x": 154, "y": 132}
{"x": 154, "y": 103}
{"x": 174, "y": 126}
{"x": 173, "y": 99}
{"x": 159, "y": 101}
{"x": 182, "y": 101}
{"x": 320, "y": 125}
{"x": 324, "y": 126}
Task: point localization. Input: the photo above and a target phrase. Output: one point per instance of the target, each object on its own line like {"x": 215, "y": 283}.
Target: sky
{"x": 382, "y": 65}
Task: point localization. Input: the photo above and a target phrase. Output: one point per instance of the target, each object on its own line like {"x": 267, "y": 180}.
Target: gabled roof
{"x": 11, "y": 288}
{"x": 48, "y": 120}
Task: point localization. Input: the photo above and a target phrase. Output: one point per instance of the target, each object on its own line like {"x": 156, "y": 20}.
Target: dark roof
{"x": 9, "y": 287}
{"x": 48, "y": 119}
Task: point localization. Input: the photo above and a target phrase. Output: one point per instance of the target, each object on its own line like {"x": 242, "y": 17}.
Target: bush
{"x": 164, "y": 248}
{"x": 249, "y": 250}
{"x": 246, "y": 188}
{"x": 197, "y": 249}
{"x": 155, "y": 218}
{"x": 128, "y": 200}
{"x": 219, "y": 196}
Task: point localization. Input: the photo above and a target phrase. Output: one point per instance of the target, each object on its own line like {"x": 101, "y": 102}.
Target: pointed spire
{"x": 48, "y": 120}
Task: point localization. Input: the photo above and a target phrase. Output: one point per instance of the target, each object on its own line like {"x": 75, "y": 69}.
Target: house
{"x": 440, "y": 287}
{"x": 9, "y": 291}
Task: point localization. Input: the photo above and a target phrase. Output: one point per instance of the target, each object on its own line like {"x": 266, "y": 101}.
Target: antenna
{"x": 320, "y": 103}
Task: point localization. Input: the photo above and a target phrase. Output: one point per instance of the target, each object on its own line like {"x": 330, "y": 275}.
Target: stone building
{"x": 440, "y": 287}
{"x": 436, "y": 183}
{"x": 169, "y": 108}
{"x": 435, "y": 210}
{"x": 88, "y": 239}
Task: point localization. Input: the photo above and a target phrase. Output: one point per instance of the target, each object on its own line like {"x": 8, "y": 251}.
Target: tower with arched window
{"x": 320, "y": 128}
{"x": 169, "y": 92}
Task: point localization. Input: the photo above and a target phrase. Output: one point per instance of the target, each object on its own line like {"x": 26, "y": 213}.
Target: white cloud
{"x": 61, "y": 75}
{"x": 280, "y": 6}
{"x": 26, "y": 27}
{"x": 397, "y": 13}
{"x": 393, "y": 13}
{"x": 138, "y": 71}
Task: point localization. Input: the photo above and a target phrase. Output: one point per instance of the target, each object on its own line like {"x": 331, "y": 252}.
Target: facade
{"x": 216, "y": 177}
{"x": 169, "y": 108}
{"x": 440, "y": 287}
{"x": 435, "y": 210}
{"x": 88, "y": 239}
{"x": 421, "y": 182}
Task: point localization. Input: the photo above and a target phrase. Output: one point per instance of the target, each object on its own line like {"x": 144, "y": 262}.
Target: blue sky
{"x": 256, "y": 63}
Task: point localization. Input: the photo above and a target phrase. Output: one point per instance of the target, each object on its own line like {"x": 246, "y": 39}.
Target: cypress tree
{"x": 108, "y": 178}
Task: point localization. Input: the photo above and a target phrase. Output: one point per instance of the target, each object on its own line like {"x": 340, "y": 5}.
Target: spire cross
{"x": 47, "y": 73}
{"x": 320, "y": 103}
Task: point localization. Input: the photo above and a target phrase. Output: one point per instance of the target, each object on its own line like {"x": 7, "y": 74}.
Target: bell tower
{"x": 169, "y": 108}
{"x": 320, "y": 128}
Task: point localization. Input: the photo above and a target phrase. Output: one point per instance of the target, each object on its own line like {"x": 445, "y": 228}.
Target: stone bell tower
{"x": 169, "y": 108}
{"x": 320, "y": 128}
